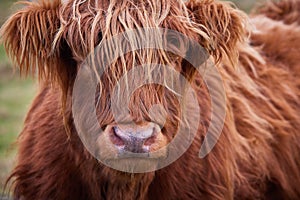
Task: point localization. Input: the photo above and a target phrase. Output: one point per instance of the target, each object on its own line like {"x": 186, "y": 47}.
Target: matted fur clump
{"x": 258, "y": 153}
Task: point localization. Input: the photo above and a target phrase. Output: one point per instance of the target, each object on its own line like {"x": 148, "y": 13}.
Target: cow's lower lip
{"x": 136, "y": 162}
{"x": 149, "y": 155}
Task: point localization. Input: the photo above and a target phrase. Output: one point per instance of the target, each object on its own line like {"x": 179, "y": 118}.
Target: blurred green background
{"x": 17, "y": 92}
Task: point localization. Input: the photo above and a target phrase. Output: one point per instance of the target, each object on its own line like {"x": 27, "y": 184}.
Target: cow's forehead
{"x": 94, "y": 21}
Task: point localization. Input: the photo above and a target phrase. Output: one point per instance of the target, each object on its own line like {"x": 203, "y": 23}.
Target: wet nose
{"x": 135, "y": 139}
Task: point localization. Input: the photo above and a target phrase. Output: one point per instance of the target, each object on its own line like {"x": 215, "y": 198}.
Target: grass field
{"x": 15, "y": 96}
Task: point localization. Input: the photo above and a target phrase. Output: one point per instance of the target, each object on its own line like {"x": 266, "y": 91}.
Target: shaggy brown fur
{"x": 258, "y": 153}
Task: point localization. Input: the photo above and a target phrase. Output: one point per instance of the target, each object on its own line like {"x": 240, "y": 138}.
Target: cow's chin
{"x": 133, "y": 165}
{"x": 116, "y": 177}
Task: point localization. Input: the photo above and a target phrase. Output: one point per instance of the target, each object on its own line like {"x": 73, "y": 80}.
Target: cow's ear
{"x": 29, "y": 39}
{"x": 224, "y": 25}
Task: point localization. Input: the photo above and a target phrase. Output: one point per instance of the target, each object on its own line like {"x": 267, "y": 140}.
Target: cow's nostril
{"x": 150, "y": 141}
{"x": 115, "y": 138}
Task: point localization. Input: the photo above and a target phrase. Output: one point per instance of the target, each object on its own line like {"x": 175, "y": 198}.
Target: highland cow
{"x": 257, "y": 155}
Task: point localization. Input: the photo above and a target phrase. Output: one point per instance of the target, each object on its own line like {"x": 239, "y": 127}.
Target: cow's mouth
{"x": 132, "y": 148}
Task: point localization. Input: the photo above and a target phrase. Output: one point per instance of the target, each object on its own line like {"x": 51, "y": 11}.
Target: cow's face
{"x": 140, "y": 91}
